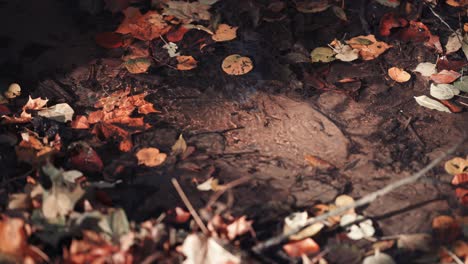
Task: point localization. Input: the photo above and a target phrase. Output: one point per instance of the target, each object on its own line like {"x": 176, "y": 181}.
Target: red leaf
{"x": 177, "y": 35}
{"x": 109, "y": 40}
{"x": 390, "y": 21}
{"x": 453, "y": 107}
{"x": 445, "y": 76}
{"x": 444, "y": 64}
{"x": 84, "y": 158}
{"x": 460, "y": 179}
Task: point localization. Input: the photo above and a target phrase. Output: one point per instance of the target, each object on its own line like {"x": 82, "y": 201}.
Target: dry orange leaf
{"x": 445, "y": 229}
{"x": 113, "y": 132}
{"x": 460, "y": 179}
{"x": 317, "y": 162}
{"x": 185, "y": 63}
{"x": 445, "y": 76}
{"x": 150, "y": 157}
{"x": 369, "y": 48}
{"x": 237, "y": 65}
{"x": 178, "y": 215}
{"x": 465, "y": 27}
{"x": 35, "y": 104}
{"x": 399, "y": 75}
{"x": 31, "y": 150}
{"x": 224, "y": 32}
{"x": 298, "y": 248}
{"x": 80, "y": 122}
{"x": 13, "y": 237}
{"x": 457, "y": 3}
{"x": 144, "y": 27}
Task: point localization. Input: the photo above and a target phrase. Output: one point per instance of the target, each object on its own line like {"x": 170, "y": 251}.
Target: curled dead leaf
{"x": 185, "y": 63}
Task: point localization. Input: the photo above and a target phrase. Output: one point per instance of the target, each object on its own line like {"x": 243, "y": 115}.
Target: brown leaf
{"x": 445, "y": 76}
{"x": 185, "y": 63}
{"x": 144, "y": 27}
{"x": 177, "y": 35}
{"x": 109, "y": 40}
{"x": 389, "y": 21}
{"x": 369, "y": 48}
{"x": 224, "y": 32}
{"x": 13, "y": 237}
{"x": 84, "y": 158}
{"x": 319, "y": 163}
{"x": 80, "y": 122}
{"x": 445, "y": 229}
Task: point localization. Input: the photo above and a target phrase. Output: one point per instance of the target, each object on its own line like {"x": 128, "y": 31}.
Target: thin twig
{"x": 277, "y": 240}
{"x": 453, "y": 256}
{"x": 445, "y": 23}
{"x": 189, "y": 206}
{"x": 224, "y": 188}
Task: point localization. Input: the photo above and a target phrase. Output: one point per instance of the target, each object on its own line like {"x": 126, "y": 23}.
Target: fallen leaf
{"x": 379, "y": 257}
{"x": 178, "y": 215}
{"x": 399, "y": 75}
{"x": 187, "y": 12}
{"x": 109, "y": 40}
{"x": 14, "y": 237}
{"x": 322, "y": 54}
{"x": 339, "y": 13}
{"x": 209, "y": 185}
{"x": 237, "y": 65}
{"x": 462, "y": 196}
{"x": 60, "y": 201}
{"x": 35, "y": 104}
{"x": 84, "y": 158}
{"x": 418, "y": 32}
{"x": 59, "y": 112}
{"x": 176, "y": 35}
{"x": 185, "y": 63}
{"x": 299, "y": 219}
{"x": 32, "y": 151}
{"x": 171, "y": 48}
{"x": 150, "y": 157}
{"x": 109, "y": 131}
{"x": 445, "y": 229}
{"x": 445, "y": 76}
{"x": 14, "y": 90}
{"x": 426, "y": 69}
{"x": 345, "y": 200}
{"x": 389, "y": 21}
{"x": 456, "y": 166}
{"x": 201, "y": 249}
{"x": 452, "y": 106}
{"x": 369, "y": 48}
{"x": 312, "y": 6}
{"x": 431, "y": 103}
{"x": 415, "y": 242}
{"x": 306, "y": 246}
{"x": 180, "y": 146}
{"x": 238, "y": 227}
{"x": 460, "y": 178}
{"x": 138, "y": 65}
{"x": 443, "y": 91}
{"x": 149, "y": 26}
{"x": 80, "y": 122}
{"x": 443, "y": 63}
{"x": 462, "y": 84}
{"x": 454, "y": 42}
{"x": 224, "y": 32}
{"x": 456, "y": 3}
{"x": 319, "y": 163}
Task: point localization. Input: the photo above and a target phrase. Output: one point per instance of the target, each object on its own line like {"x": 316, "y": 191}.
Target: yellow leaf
{"x": 150, "y": 157}
{"x": 237, "y": 65}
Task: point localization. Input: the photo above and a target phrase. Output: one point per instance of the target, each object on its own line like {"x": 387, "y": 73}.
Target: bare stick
{"x": 277, "y": 240}
{"x": 189, "y": 206}
{"x": 224, "y": 188}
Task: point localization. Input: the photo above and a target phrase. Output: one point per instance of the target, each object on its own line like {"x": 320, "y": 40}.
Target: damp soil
{"x": 259, "y": 126}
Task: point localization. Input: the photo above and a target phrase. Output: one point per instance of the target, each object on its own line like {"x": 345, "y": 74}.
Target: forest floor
{"x": 254, "y": 129}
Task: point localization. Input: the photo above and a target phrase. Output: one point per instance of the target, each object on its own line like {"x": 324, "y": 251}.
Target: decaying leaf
{"x": 209, "y": 185}
{"x": 188, "y": 12}
{"x": 237, "y": 65}
{"x": 138, "y": 65}
{"x": 201, "y": 249}
{"x": 345, "y": 200}
{"x": 319, "y": 163}
{"x": 398, "y": 74}
{"x": 445, "y": 229}
{"x": 445, "y": 76}
{"x": 431, "y": 103}
{"x": 224, "y": 32}
{"x": 59, "y": 112}
{"x": 298, "y": 248}
{"x": 150, "y": 157}
{"x": 298, "y": 219}
{"x": 149, "y": 26}
{"x": 322, "y": 54}
{"x": 186, "y": 63}
{"x": 378, "y": 257}
{"x": 13, "y": 238}
{"x": 344, "y": 52}
{"x": 454, "y": 42}
{"x": 389, "y": 21}
{"x": 415, "y": 242}
{"x": 368, "y": 46}
{"x": 456, "y": 166}
{"x": 32, "y": 150}
{"x": 339, "y": 13}
{"x": 443, "y": 91}
{"x": 460, "y": 178}
{"x": 180, "y": 146}
{"x": 80, "y": 122}
{"x": 178, "y": 215}
{"x": 426, "y": 69}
